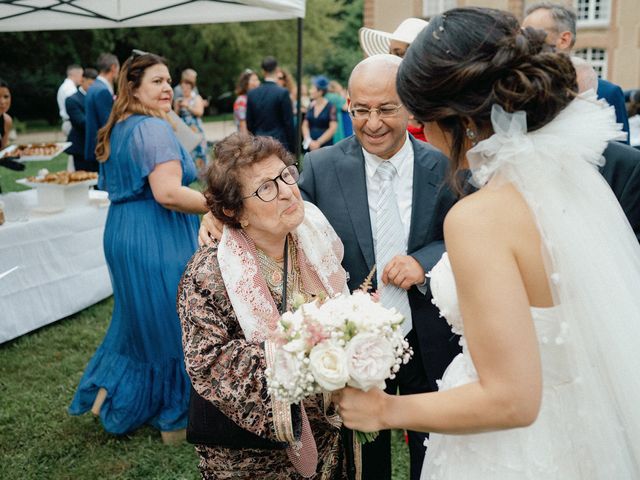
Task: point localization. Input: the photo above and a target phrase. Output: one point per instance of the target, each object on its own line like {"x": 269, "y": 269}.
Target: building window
{"x": 593, "y": 12}
{"x": 431, "y": 8}
{"x": 597, "y": 58}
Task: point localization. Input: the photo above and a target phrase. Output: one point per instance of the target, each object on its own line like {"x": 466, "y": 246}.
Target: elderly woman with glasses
{"x": 274, "y": 248}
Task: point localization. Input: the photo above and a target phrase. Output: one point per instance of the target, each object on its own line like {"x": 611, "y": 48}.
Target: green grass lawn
{"x": 38, "y": 376}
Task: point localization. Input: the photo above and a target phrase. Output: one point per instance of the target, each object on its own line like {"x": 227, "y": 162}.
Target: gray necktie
{"x": 390, "y": 242}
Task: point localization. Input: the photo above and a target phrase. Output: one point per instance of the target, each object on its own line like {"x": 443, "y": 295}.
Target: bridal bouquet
{"x": 327, "y": 344}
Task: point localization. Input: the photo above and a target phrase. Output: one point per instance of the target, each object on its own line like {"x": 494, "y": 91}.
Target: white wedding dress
{"x": 589, "y": 422}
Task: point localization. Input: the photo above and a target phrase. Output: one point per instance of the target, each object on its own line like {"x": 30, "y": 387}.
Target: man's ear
{"x": 564, "y": 40}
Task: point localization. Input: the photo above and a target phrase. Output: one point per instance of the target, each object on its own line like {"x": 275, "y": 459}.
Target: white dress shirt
{"x": 402, "y": 186}
{"x": 67, "y": 89}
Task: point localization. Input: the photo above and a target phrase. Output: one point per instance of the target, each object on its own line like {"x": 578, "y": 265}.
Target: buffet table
{"x": 56, "y": 264}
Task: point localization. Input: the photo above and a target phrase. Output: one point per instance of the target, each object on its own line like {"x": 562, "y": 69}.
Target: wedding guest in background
{"x": 543, "y": 387}
{"x": 337, "y": 96}
{"x": 187, "y": 74}
{"x": 98, "y": 102}
{"x": 559, "y": 23}
{"x": 286, "y": 80}
{"x": 227, "y": 323}
{"x": 74, "y": 106}
{"x": 247, "y": 81}
{"x": 6, "y": 122}
{"x": 68, "y": 87}
{"x": 190, "y": 107}
{"x": 320, "y": 123}
{"x": 137, "y": 375}
{"x": 375, "y": 42}
{"x": 269, "y": 108}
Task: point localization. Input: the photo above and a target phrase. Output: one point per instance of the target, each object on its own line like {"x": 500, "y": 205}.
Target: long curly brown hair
{"x": 126, "y": 103}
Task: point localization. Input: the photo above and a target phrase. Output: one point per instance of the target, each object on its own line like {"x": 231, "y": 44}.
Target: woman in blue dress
{"x": 137, "y": 375}
{"x": 320, "y": 123}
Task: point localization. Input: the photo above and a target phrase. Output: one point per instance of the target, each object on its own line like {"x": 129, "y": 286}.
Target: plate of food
{"x": 57, "y": 191}
{"x": 27, "y": 152}
{"x": 60, "y": 179}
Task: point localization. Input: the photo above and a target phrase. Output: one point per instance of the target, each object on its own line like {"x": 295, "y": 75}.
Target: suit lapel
{"x": 425, "y": 189}
{"x": 351, "y": 178}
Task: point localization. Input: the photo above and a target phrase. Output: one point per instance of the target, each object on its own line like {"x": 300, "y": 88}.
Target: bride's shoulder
{"x": 491, "y": 211}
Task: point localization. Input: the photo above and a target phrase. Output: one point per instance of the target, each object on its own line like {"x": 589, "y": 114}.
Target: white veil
{"x": 593, "y": 264}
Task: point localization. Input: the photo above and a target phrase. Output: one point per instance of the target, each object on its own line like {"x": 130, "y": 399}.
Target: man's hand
{"x": 403, "y": 271}
{"x": 210, "y": 229}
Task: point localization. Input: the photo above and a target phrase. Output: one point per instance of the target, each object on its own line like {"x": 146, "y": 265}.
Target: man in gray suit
{"x": 341, "y": 180}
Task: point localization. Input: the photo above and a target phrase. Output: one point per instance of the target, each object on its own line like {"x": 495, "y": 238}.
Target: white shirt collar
{"x": 106, "y": 82}
{"x": 373, "y": 161}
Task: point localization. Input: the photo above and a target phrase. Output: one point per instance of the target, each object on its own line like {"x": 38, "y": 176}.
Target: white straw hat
{"x": 375, "y": 42}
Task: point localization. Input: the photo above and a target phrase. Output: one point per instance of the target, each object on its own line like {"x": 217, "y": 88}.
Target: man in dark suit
{"x": 99, "y": 101}
{"x": 341, "y": 181}
{"x": 269, "y": 107}
{"x": 74, "y": 106}
{"x": 622, "y": 172}
{"x": 614, "y": 96}
{"x": 560, "y": 24}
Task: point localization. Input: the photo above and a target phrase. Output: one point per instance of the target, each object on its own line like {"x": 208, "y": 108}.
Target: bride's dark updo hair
{"x": 468, "y": 59}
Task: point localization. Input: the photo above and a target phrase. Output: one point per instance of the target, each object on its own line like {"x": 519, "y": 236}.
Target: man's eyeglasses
{"x": 385, "y": 111}
{"x": 269, "y": 190}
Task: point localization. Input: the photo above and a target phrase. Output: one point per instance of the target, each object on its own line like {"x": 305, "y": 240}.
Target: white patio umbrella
{"x": 30, "y": 15}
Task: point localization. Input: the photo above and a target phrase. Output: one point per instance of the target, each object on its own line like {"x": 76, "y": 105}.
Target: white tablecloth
{"x": 61, "y": 266}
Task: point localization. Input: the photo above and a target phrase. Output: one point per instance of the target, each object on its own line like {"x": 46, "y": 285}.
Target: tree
{"x": 34, "y": 63}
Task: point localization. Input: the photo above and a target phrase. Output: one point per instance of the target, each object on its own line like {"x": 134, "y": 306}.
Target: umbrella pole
{"x": 299, "y": 92}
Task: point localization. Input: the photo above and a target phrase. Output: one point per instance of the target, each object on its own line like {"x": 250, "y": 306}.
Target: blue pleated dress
{"x": 140, "y": 361}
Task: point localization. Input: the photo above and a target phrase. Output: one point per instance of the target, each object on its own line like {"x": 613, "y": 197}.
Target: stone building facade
{"x": 608, "y": 31}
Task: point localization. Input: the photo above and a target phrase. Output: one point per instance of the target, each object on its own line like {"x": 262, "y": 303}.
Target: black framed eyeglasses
{"x": 269, "y": 190}
{"x": 385, "y": 111}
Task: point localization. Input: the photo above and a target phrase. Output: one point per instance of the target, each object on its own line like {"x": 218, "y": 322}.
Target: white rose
{"x": 328, "y": 365}
{"x": 369, "y": 360}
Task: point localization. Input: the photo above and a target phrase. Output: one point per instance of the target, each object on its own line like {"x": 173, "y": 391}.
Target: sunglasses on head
{"x": 135, "y": 53}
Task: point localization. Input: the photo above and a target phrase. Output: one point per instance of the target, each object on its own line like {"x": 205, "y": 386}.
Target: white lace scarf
{"x": 319, "y": 252}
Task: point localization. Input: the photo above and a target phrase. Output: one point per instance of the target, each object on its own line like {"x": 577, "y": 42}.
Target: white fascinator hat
{"x": 375, "y": 42}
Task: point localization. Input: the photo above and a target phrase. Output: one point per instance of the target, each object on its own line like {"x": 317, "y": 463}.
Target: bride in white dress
{"x": 542, "y": 272}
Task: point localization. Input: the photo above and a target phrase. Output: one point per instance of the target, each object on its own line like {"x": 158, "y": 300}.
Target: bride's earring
{"x": 244, "y": 223}
{"x": 472, "y": 136}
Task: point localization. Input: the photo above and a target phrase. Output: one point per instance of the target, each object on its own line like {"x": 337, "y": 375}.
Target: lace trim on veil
{"x": 592, "y": 262}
